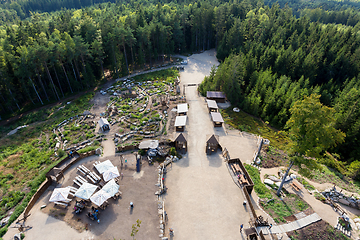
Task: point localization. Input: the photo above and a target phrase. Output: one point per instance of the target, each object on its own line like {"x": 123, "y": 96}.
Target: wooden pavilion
{"x": 181, "y": 143}
{"x": 212, "y": 144}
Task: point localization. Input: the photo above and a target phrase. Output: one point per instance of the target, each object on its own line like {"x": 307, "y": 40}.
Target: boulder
{"x": 98, "y": 151}
{"x": 344, "y": 201}
{"x": 268, "y": 182}
{"x": 275, "y": 179}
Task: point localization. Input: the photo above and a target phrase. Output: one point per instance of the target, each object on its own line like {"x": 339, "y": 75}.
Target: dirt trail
{"x": 325, "y": 211}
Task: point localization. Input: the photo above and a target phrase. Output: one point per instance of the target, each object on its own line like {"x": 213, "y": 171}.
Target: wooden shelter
{"x": 212, "y": 144}
{"x": 217, "y": 119}
{"x": 182, "y": 109}
{"x": 217, "y": 96}
{"x": 212, "y": 105}
{"x": 181, "y": 143}
{"x": 104, "y": 124}
{"x": 180, "y": 123}
{"x": 55, "y": 174}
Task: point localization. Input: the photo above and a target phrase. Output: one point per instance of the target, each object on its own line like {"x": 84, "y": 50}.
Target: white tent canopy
{"x": 111, "y": 187}
{"x": 85, "y": 191}
{"x": 60, "y": 195}
{"x": 111, "y": 174}
{"x": 104, "y": 166}
{"x": 100, "y": 197}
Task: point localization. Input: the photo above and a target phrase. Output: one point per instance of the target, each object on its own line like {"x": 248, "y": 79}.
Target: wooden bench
{"x": 81, "y": 171}
{"x": 296, "y": 186}
{"x": 237, "y": 167}
{"x": 91, "y": 179}
{"x": 77, "y": 182}
{"x": 243, "y": 180}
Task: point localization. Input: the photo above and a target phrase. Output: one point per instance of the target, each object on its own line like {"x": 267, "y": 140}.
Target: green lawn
{"x": 245, "y": 122}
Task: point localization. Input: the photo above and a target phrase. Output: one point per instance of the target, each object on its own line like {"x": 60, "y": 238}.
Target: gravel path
{"x": 202, "y": 201}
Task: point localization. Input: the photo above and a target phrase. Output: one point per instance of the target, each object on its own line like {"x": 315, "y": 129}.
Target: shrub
{"x": 61, "y": 153}
{"x": 173, "y": 151}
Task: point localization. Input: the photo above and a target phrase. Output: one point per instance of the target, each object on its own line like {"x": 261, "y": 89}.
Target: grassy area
{"x": 306, "y": 184}
{"x": 26, "y": 156}
{"x": 245, "y": 122}
{"x": 276, "y": 207}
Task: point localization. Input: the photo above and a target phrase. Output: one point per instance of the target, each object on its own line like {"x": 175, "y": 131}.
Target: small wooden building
{"x": 212, "y": 105}
{"x": 212, "y": 144}
{"x": 181, "y": 143}
{"x": 182, "y": 109}
{"x": 180, "y": 123}
{"x": 104, "y": 124}
{"x": 217, "y": 119}
{"x": 217, "y": 96}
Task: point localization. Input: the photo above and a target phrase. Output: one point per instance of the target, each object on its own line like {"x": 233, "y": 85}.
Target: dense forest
{"x": 272, "y": 59}
{"x": 272, "y": 54}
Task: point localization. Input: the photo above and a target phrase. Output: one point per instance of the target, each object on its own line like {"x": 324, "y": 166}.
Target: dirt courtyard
{"x": 115, "y": 221}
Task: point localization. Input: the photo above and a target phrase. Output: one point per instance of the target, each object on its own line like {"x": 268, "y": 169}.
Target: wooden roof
{"x": 216, "y": 117}
{"x": 214, "y": 94}
{"x": 180, "y": 138}
{"x": 214, "y": 139}
{"x": 211, "y": 104}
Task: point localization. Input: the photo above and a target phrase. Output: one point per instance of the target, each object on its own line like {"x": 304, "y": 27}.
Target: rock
{"x": 17, "y": 236}
{"x": 344, "y": 201}
{"x": 357, "y": 220}
{"x": 268, "y": 182}
{"x": 293, "y": 176}
{"x": 358, "y": 225}
{"x": 4, "y": 221}
{"x": 273, "y": 178}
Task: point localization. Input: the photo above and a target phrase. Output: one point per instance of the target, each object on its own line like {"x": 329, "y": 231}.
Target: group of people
{"x": 93, "y": 215}
{"x": 79, "y": 206}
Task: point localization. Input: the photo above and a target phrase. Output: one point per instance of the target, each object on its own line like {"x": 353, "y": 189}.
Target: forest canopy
{"x": 271, "y": 56}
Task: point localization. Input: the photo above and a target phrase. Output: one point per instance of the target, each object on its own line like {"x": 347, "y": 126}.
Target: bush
{"x": 61, "y": 153}
{"x": 87, "y": 149}
{"x": 173, "y": 151}
{"x": 142, "y": 152}
{"x": 259, "y": 187}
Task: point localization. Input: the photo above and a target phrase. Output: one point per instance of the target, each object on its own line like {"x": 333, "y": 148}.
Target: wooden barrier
{"x": 43, "y": 187}
{"x": 250, "y": 186}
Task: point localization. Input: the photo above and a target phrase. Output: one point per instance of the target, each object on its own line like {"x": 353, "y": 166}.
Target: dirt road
{"x": 202, "y": 201}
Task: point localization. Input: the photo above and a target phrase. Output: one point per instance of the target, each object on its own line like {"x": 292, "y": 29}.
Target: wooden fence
{"x": 63, "y": 165}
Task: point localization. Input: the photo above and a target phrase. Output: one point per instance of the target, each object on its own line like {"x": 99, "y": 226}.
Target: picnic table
{"x": 295, "y": 185}
{"x": 243, "y": 180}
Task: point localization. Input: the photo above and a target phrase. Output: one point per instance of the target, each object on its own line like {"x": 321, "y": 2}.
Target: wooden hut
{"x": 212, "y": 105}
{"x": 104, "y": 124}
{"x": 217, "y": 96}
{"x": 180, "y": 123}
{"x": 217, "y": 119}
{"x": 181, "y": 143}
{"x": 182, "y": 109}
{"x": 212, "y": 144}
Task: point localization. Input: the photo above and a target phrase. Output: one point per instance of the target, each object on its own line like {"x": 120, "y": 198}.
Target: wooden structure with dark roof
{"x": 212, "y": 105}
{"x": 217, "y": 119}
{"x": 212, "y": 144}
{"x": 217, "y": 96}
{"x": 181, "y": 143}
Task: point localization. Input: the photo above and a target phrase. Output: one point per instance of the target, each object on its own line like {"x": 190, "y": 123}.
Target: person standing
{"x": 241, "y": 227}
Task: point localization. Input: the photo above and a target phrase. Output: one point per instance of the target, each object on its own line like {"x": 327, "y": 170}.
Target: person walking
{"x": 241, "y": 227}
